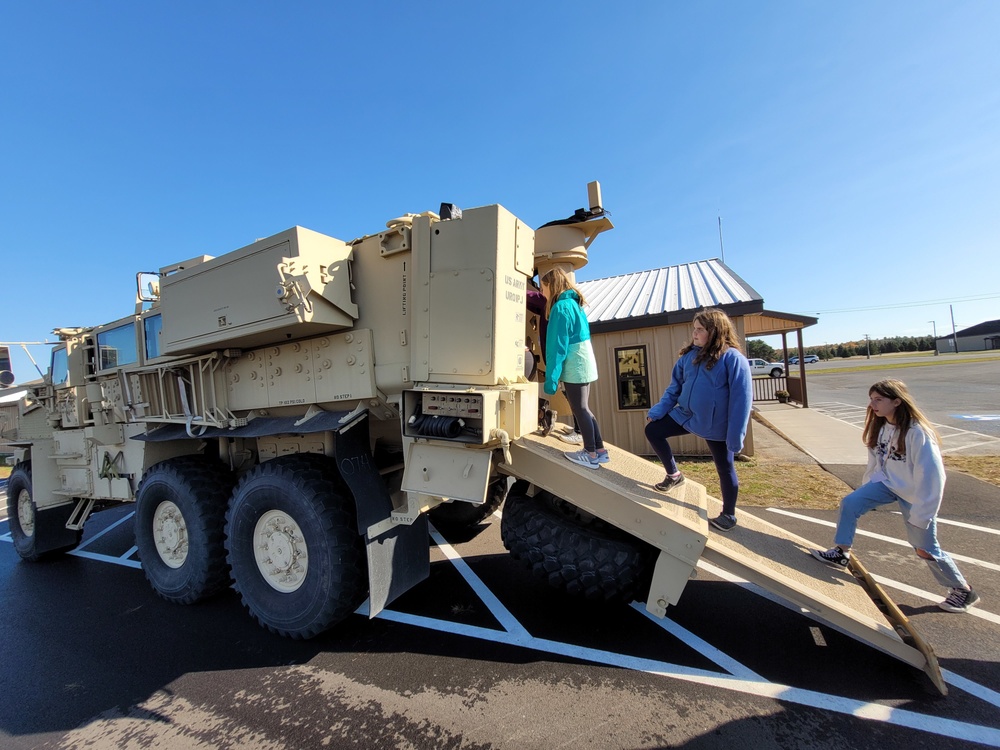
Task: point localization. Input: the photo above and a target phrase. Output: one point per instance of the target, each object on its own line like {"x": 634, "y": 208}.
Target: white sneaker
{"x": 573, "y": 438}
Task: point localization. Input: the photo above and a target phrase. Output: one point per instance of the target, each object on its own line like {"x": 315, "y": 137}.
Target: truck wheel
{"x": 581, "y": 555}
{"x": 297, "y": 559}
{"x": 179, "y": 524}
{"x": 23, "y": 515}
{"x": 455, "y": 516}
{"x": 776, "y": 372}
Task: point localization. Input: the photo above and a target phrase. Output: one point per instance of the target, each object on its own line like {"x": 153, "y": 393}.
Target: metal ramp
{"x": 621, "y": 492}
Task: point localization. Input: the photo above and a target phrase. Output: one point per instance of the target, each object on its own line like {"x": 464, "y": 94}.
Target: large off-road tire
{"x": 297, "y": 559}
{"x": 580, "y": 555}
{"x": 23, "y": 515}
{"x": 456, "y": 515}
{"x": 180, "y": 519}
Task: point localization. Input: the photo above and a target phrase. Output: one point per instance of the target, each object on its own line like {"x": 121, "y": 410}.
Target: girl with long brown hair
{"x": 710, "y": 395}
{"x": 569, "y": 359}
{"x": 904, "y": 467}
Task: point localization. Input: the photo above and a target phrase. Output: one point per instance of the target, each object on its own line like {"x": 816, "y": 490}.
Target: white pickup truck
{"x": 763, "y": 367}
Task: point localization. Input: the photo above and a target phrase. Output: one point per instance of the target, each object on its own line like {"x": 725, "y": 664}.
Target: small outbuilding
{"x": 977, "y": 338}
{"x": 639, "y": 322}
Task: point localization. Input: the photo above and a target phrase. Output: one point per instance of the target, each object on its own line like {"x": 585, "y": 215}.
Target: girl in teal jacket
{"x": 710, "y": 395}
{"x": 569, "y": 359}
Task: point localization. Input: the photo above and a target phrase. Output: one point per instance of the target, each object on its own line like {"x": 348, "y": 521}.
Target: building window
{"x": 633, "y": 377}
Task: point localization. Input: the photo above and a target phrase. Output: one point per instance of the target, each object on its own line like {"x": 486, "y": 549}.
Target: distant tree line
{"x": 757, "y": 348}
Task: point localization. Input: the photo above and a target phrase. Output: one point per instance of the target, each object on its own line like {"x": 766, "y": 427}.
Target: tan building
{"x": 638, "y": 323}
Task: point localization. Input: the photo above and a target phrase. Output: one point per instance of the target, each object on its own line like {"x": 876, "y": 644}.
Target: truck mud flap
{"x": 358, "y": 470}
{"x": 51, "y": 532}
{"x": 756, "y": 551}
{"x": 398, "y": 559}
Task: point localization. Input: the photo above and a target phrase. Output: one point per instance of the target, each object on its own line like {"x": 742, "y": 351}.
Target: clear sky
{"x": 851, "y": 149}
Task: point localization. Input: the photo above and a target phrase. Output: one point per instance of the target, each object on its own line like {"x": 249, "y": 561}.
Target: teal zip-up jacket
{"x": 569, "y": 356}
{"x": 712, "y": 404}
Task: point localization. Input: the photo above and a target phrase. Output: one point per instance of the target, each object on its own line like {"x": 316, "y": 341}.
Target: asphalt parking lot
{"x": 483, "y": 655}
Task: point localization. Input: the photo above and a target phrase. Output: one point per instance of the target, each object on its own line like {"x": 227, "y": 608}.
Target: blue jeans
{"x": 657, "y": 433}
{"x": 874, "y": 494}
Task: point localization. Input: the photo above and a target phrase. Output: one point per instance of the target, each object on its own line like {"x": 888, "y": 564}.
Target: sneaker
{"x": 669, "y": 481}
{"x": 834, "y": 556}
{"x": 603, "y": 457}
{"x": 582, "y": 458}
{"x": 573, "y": 438}
{"x": 723, "y": 522}
{"x": 547, "y": 421}
{"x": 960, "y": 600}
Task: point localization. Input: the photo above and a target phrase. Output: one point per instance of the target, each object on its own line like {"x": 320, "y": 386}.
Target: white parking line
{"x": 855, "y": 415}
{"x": 740, "y": 680}
{"x": 883, "y": 538}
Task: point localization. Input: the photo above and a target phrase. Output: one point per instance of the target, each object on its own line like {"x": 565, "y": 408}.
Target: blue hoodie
{"x": 712, "y": 404}
{"x": 569, "y": 357}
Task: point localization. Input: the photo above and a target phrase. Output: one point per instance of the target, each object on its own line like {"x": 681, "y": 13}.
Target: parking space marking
{"x": 953, "y": 439}
{"x": 961, "y": 524}
{"x": 883, "y": 538}
{"x": 737, "y": 677}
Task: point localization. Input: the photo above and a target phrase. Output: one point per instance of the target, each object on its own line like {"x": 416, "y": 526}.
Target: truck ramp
{"x": 621, "y": 493}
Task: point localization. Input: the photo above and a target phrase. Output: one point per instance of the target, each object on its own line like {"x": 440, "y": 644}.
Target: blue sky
{"x": 852, "y": 149}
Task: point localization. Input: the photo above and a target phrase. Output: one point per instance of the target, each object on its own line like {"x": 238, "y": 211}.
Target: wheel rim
{"x": 26, "y": 513}
{"x": 280, "y": 551}
{"x": 170, "y": 534}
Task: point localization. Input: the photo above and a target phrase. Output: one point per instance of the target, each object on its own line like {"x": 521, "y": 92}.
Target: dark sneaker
{"x": 834, "y": 556}
{"x": 960, "y": 600}
{"x": 668, "y": 482}
{"x": 547, "y": 421}
{"x": 582, "y": 458}
{"x": 723, "y": 522}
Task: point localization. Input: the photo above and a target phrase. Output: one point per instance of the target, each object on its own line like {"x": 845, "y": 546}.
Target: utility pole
{"x": 934, "y": 323}
{"x": 868, "y": 347}
{"x": 721, "y": 248}
{"x": 954, "y": 336}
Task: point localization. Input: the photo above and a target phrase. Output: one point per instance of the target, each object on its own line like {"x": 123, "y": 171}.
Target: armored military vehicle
{"x": 286, "y": 417}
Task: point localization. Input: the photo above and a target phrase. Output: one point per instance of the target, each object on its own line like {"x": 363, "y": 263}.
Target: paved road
{"x": 482, "y": 655}
{"x": 963, "y": 395}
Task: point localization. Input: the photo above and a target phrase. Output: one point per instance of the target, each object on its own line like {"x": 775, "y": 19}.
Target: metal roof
{"x": 662, "y": 291}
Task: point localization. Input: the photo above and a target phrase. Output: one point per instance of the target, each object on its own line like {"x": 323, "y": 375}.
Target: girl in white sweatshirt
{"x": 904, "y": 467}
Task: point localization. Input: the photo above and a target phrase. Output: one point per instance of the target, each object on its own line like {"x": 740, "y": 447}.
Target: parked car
{"x": 807, "y": 359}
{"x": 763, "y": 367}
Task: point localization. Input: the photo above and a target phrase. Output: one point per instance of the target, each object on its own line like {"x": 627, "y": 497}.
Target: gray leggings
{"x": 578, "y": 395}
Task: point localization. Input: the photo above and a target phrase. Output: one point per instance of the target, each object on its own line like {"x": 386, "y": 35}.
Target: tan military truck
{"x": 287, "y": 416}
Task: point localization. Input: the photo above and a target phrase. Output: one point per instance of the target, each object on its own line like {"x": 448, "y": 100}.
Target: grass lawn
{"x": 778, "y": 485}
{"x": 770, "y": 484}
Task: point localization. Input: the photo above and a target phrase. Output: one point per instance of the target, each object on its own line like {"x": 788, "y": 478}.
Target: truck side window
{"x": 151, "y": 330}
{"x": 60, "y": 367}
{"x": 117, "y": 346}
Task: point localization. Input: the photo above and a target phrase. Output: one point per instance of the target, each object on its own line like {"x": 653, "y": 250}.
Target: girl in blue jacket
{"x": 710, "y": 395}
{"x": 569, "y": 359}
